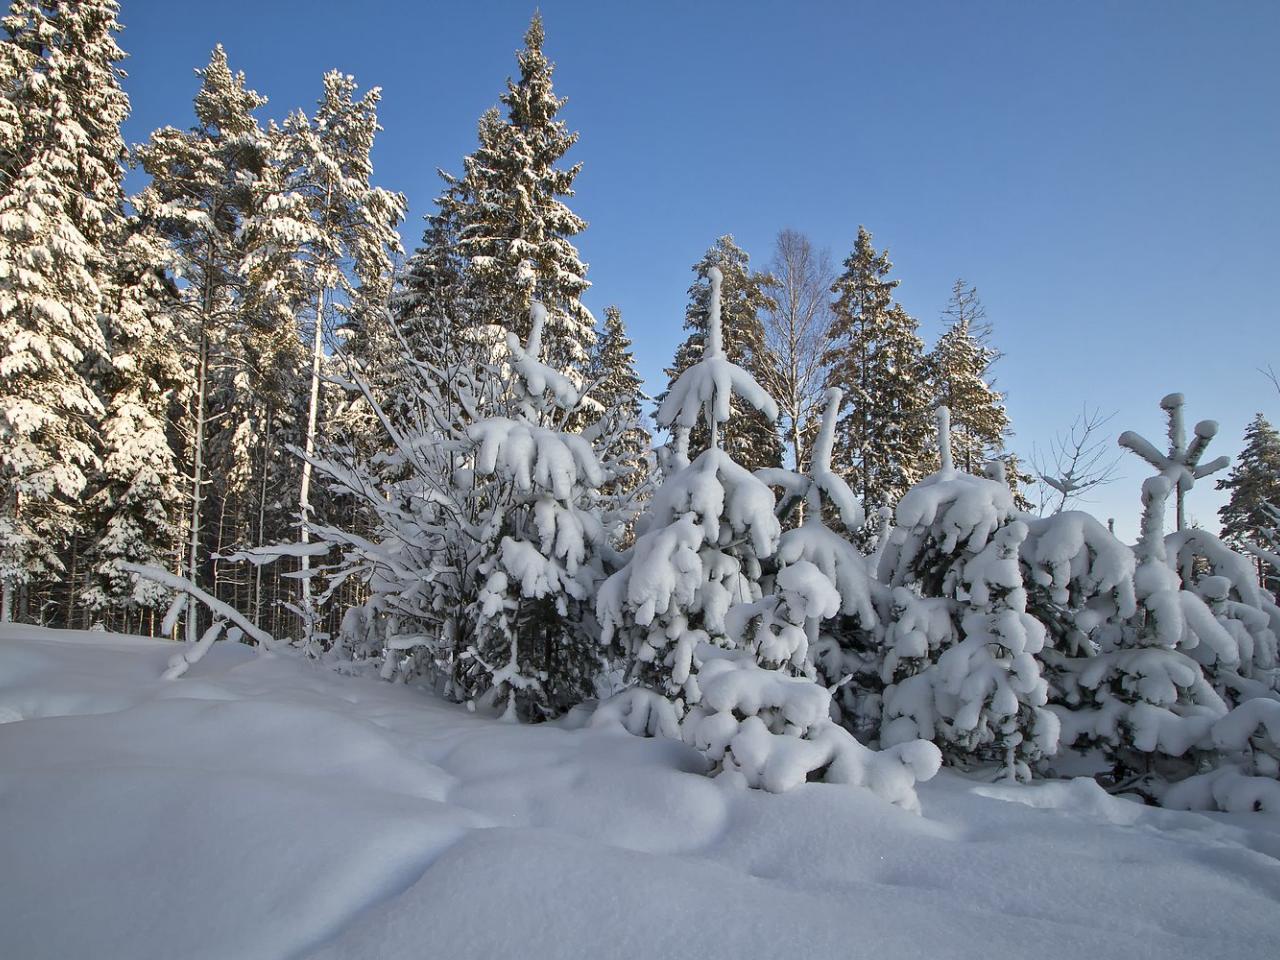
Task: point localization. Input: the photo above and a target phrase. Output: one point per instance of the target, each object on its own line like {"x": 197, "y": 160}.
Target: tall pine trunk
{"x": 304, "y": 497}
{"x": 197, "y": 478}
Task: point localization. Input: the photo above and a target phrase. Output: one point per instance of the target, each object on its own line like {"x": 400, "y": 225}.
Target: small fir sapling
{"x": 700, "y": 542}
{"x": 842, "y": 646}
{"x": 541, "y": 576}
{"x": 691, "y": 588}
{"x": 1145, "y": 701}
{"x": 969, "y": 680}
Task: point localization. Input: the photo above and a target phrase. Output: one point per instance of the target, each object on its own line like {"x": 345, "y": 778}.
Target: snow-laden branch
{"x": 216, "y": 606}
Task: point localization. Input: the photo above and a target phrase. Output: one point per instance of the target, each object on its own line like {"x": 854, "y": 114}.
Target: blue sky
{"x": 1105, "y": 173}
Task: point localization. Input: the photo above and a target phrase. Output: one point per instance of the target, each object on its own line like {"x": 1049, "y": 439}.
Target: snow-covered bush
{"x": 974, "y": 684}
{"x": 487, "y": 534}
{"x": 1152, "y": 691}
{"x": 762, "y": 728}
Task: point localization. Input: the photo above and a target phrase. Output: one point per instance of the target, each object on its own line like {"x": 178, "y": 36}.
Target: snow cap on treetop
{"x": 823, "y": 446}
{"x": 714, "y": 341}
{"x": 943, "y": 416}
{"x": 537, "y": 317}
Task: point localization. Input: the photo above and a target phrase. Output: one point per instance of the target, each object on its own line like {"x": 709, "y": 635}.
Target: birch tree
{"x": 796, "y": 330}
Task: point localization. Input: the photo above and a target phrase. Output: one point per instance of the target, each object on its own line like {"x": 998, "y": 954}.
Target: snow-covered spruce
{"x": 1201, "y": 638}
{"x": 487, "y": 538}
{"x": 61, "y": 213}
{"x": 690, "y": 610}
{"x": 842, "y": 642}
{"x": 546, "y": 556}
{"x": 700, "y": 542}
{"x": 749, "y": 436}
{"x": 972, "y": 684}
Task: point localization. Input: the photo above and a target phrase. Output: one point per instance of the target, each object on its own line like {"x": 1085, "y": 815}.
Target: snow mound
{"x": 762, "y": 728}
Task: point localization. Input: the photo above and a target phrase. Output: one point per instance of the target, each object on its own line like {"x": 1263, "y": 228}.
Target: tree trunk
{"x": 304, "y": 497}
{"x": 197, "y": 480}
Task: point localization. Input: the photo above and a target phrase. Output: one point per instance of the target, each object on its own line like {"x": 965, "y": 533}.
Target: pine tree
{"x": 877, "y": 359}
{"x": 338, "y": 230}
{"x": 207, "y": 183}
{"x": 61, "y": 202}
{"x": 615, "y": 386}
{"x": 748, "y": 436}
{"x": 1254, "y": 483}
{"x": 958, "y": 368}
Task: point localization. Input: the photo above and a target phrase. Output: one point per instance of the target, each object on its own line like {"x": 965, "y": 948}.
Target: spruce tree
{"x": 960, "y": 663}
{"x": 503, "y": 235}
{"x": 749, "y": 437}
{"x": 958, "y": 368}
{"x": 877, "y": 359}
{"x": 615, "y": 386}
{"x": 704, "y": 533}
{"x": 1254, "y": 483}
{"x": 427, "y": 301}
{"x": 137, "y": 501}
{"x": 61, "y": 204}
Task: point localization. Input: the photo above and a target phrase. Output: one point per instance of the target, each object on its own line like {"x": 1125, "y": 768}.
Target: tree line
{"x": 169, "y": 354}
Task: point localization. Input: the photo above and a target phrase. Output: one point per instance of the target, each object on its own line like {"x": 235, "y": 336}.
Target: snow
{"x": 264, "y": 806}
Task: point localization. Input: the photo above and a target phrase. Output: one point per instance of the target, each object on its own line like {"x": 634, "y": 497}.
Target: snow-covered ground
{"x": 264, "y": 806}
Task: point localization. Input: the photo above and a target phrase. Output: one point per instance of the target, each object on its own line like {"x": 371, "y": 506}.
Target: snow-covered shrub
{"x": 974, "y": 684}
{"x": 762, "y": 728}
{"x": 487, "y": 534}
{"x": 1154, "y": 689}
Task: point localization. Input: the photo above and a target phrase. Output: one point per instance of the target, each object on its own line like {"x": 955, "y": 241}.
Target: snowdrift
{"x": 263, "y": 806}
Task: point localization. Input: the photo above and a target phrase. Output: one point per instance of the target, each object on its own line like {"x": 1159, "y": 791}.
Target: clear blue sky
{"x": 1105, "y": 173}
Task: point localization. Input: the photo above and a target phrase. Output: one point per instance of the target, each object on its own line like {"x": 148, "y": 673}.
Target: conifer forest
{"x": 360, "y": 596}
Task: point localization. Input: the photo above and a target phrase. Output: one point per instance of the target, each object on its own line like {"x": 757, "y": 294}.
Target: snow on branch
{"x": 709, "y": 385}
{"x": 270, "y": 553}
{"x": 216, "y": 606}
{"x": 1182, "y": 463}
